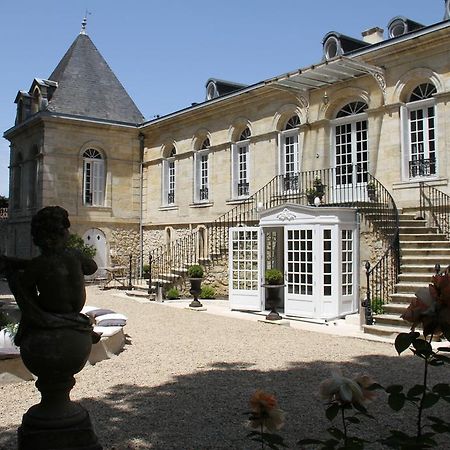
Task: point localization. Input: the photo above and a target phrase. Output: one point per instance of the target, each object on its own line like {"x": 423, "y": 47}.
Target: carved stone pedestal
{"x": 56, "y": 423}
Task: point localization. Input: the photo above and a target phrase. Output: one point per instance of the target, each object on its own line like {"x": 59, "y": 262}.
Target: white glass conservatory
{"x": 317, "y": 249}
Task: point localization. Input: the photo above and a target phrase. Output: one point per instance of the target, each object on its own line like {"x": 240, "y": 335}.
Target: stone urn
{"x": 195, "y": 274}
{"x": 274, "y": 286}
{"x": 55, "y": 356}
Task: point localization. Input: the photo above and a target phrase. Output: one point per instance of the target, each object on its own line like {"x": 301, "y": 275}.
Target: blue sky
{"x": 164, "y": 51}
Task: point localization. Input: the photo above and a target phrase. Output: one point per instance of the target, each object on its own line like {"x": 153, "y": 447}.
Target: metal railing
{"x": 361, "y": 190}
{"x": 437, "y": 205}
{"x": 422, "y": 167}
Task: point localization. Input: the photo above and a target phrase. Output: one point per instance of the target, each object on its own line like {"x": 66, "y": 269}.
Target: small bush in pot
{"x": 207, "y": 292}
{"x": 172, "y": 293}
{"x": 195, "y": 271}
{"x": 274, "y": 277}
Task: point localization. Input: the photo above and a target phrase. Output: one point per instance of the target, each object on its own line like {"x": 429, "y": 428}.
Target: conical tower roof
{"x": 88, "y": 87}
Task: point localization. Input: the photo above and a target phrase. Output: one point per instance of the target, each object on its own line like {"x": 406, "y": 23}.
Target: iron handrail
{"x": 350, "y": 187}
{"x": 437, "y": 204}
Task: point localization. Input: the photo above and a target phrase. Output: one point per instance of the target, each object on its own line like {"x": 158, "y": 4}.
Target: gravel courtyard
{"x": 184, "y": 380}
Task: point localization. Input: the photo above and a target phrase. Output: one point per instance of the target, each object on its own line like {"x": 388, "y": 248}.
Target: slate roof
{"x": 88, "y": 87}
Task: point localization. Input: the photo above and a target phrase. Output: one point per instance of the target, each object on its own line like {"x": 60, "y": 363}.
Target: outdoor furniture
{"x": 116, "y": 276}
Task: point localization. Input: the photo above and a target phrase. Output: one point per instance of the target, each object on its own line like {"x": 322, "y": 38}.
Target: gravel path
{"x": 184, "y": 380}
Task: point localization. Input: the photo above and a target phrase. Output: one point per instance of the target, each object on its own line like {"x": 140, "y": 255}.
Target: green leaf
{"x": 394, "y": 389}
{"x": 436, "y": 363}
{"x": 441, "y": 389}
{"x": 416, "y": 390}
{"x": 360, "y": 408}
{"x": 396, "y": 401}
{"x": 430, "y": 399}
{"x": 403, "y": 341}
{"x": 332, "y": 411}
{"x": 374, "y": 387}
{"x": 443, "y": 358}
{"x": 444, "y": 349}
{"x": 336, "y": 433}
{"x": 423, "y": 347}
{"x": 352, "y": 419}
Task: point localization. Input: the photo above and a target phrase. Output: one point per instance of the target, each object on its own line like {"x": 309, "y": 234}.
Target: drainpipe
{"x": 141, "y": 196}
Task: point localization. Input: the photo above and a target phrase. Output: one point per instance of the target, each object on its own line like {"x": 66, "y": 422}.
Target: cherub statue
{"x": 49, "y": 289}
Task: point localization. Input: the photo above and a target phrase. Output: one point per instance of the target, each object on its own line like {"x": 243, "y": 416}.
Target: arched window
{"x": 93, "y": 178}
{"x": 33, "y": 177}
{"x": 351, "y": 151}
{"x": 201, "y": 177}
{"x": 240, "y": 165}
{"x": 36, "y": 101}
{"x": 169, "y": 178}
{"x": 421, "y": 139}
{"x": 289, "y": 153}
{"x": 17, "y": 182}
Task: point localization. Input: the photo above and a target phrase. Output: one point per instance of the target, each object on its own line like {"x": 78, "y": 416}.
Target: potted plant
{"x": 310, "y": 195}
{"x": 146, "y": 271}
{"x": 195, "y": 275}
{"x": 371, "y": 191}
{"x": 319, "y": 187}
{"x": 273, "y": 285}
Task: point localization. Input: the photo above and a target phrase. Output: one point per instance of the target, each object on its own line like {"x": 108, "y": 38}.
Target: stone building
{"x": 306, "y": 171}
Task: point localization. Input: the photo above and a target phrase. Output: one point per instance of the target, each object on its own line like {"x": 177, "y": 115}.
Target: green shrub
{"x": 195, "y": 271}
{"x": 207, "y": 292}
{"x": 146, "y": 268}
{"x": 377, "y": 305}
{"x": 274, "y": 276}
{"x": 172, "y": 293}
{"x": 75, "y": 241}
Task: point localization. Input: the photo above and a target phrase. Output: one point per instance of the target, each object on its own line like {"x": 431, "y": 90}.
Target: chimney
{"x": 373, "y": 35}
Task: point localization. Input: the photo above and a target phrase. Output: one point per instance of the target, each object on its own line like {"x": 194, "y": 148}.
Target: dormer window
{"x": 36, "y": 103}
{"x": 332, "y": 48}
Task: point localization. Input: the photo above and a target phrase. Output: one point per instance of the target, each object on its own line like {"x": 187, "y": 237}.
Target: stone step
{"x": 422, "y": 237}
{"x": 395, "y": 308}
{"x": 418, "y": 230}
{"x": 409, "y": 287}
{"x": 430, "y": 260}
{"x": 392, "y": 320}
{"x": 414, "y": 277}
{"x": 386, "y": 331}
{"x": 420, "y": 245}
{"x": 402, "y": 297}
{"x": 407, "y": 222}
{"x": 418, "y": 269}
{"x": 437, "y": 252}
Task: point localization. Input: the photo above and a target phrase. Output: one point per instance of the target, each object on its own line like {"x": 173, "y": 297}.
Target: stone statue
{"x": 55, "y": 339}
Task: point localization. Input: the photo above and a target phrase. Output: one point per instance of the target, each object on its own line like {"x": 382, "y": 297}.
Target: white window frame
{"x": 94, "y": 179}
{"x": 405, "y": 113}
{"x": 352, "y": 120}
{"x": 202, "y": 173}
{"x": 169, "y": 181}
{"x": 282, "y": 137}
{"x": 240, "y": 169}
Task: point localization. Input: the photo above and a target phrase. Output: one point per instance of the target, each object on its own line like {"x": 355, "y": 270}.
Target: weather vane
{"x": 84, "y": 22}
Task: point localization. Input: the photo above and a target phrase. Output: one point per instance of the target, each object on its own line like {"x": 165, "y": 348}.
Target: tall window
{"x": 201, "y": 178}
{"x": 240, "y": 166}
{"x": 17, "y": 182}
{"x": 169, "y": 178}
{"x": 93, "y": 178}
{"x": 33, "y": 178}
{"x": 422, "y": 131}
{"x": 351, "y": 145}
{"x": 289, "y": 164}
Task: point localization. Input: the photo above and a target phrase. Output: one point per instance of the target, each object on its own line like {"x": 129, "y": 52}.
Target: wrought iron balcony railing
{"x": 203, "y": 193}
{"x": 243, "y": 189}
{"x": 422, "y": 167}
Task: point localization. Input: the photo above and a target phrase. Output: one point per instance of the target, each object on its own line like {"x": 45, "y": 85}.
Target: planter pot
{"x": 196, "y": 288}
{"x": 273, "y": 298}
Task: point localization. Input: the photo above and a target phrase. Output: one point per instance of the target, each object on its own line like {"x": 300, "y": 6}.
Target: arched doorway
{"x": 97, "y": 238}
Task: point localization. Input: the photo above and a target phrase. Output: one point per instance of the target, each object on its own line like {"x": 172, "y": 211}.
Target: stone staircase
{"x": 421, "y": 248}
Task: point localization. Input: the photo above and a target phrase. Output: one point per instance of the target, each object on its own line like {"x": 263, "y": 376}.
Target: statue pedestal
{"x": 56, "y": 423}
{"x": 78, "y": 436}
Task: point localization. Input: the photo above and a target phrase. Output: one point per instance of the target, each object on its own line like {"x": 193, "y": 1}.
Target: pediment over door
{"x": 291, "y": 214}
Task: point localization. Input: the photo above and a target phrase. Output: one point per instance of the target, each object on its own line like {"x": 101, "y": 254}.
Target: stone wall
{"x": 123, "y": 241}
{"x": 3, "y": 236}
